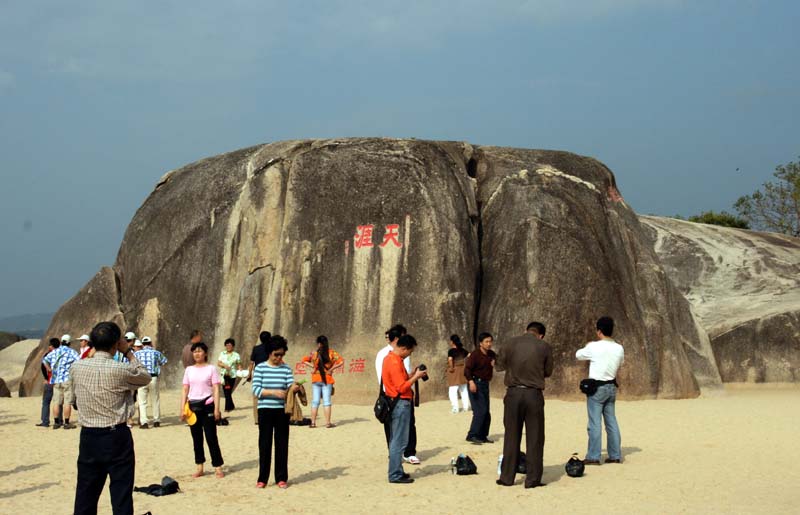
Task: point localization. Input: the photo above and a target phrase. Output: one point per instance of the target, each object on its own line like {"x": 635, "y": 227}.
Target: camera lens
{"x": 423, "y": 368}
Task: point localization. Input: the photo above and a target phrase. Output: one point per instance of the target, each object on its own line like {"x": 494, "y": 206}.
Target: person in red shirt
{"x": 397, "y": 385}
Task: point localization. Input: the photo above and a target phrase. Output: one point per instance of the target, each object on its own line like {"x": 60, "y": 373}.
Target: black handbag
{"x": 465, "y": 466}
{"x": 574, "y": 466}
{"x": 588, "y": 386}
{"x": 384, "y": 405}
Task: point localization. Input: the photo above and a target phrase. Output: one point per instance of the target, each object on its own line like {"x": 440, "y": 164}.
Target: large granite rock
{"x": 346, "y": 237}
{"x": 744, "y": 287}
{"x": 561, "y": 246}
{"x": 98, "y": 300}
{"x": 277, "y": 237}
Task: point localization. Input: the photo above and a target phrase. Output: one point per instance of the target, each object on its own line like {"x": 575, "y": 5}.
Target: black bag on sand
{"x": 574, "y": 466}
{"x": 383, "y": 406}
{"x": 465, "y": 466}
{"x": 522, "y": 465}
{"x": 168, "y": 486}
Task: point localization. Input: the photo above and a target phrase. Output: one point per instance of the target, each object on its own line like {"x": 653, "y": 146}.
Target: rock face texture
{"x": 346, "y": 237}
{"x": 744, "y": 287}
{"x": 560, "y": 245}
{"x": 95, "y": 302}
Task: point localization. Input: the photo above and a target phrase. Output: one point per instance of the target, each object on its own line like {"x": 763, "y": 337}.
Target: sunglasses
{"x": 279, "y": 354}
{"x": 128, "y": 339}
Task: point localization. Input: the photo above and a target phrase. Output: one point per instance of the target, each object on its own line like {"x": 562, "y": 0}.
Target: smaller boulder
{"x": 4, "y": 391}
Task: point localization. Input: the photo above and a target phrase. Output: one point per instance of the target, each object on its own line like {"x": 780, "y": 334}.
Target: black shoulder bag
{"x": 384, "y": 405}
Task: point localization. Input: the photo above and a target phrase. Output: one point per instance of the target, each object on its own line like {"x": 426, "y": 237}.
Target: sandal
{"x": 283, "y": 485}
{"x": 312, "y": 426}
{"x": 198, "y": 474}
{"x": 330, "y": 425}
{"x": 219, "y": 473}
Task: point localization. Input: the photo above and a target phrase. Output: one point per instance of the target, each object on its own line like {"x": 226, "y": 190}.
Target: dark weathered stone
{"x": 263, "y": 238}
{"x": 266, "y": 238}
{"x": 95, "y": 302}
{"x": 561, "y": 246}
{"x": 744, "y": 287}
{"x": 8, "y": 339}
{"x": 4, "y": 391}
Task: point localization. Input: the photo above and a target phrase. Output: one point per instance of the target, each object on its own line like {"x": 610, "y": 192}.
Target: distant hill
{"x": 27, "y": 326}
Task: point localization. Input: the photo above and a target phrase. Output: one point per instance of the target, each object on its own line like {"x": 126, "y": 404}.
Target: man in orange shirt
{"x": 397, "y": 385}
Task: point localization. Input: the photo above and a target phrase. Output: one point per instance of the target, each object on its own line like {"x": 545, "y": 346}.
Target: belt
{"x": 601, "y": 383}
{"x": 104, "y": 429}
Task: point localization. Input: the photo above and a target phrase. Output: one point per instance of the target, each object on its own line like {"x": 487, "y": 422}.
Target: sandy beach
{"x": 733, "y": 452}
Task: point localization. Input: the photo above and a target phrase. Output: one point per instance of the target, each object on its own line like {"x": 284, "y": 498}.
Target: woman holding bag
{"x": 273, "y": 381}
{"x": 201, "y": 390}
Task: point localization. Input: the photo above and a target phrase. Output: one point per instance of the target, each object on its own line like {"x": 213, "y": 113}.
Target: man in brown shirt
{"x": 186, "y": 354}
{"x": 478, "y": 368}
{"x": 527, "y": 360}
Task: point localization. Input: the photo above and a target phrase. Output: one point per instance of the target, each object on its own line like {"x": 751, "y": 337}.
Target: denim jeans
{"x": 47, "y": 396}
{"x": 401, "y": 419}
{"x": 597, "y": 405}
{"x": 481, "y": 416}
{"x": 320, "y": 390}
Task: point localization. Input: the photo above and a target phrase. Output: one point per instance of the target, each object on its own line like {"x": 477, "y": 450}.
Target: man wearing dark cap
{"x": 104, "y": 391}
{"x": 527, "y": 360}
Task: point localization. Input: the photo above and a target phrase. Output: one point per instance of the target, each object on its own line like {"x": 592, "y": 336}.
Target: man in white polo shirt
{"x": 605, "y": 357}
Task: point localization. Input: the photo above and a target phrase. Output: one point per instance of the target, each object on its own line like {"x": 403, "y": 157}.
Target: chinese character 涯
{"x": 363, "y": 236}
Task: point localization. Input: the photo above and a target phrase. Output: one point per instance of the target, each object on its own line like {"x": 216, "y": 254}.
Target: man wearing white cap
{"x": 152, "y": 360}
{"x": 58, "y": 363}
{"x": 85, "y": 348}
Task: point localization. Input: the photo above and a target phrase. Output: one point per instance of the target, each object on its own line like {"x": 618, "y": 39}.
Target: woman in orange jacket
{"x": 325, "y": 362}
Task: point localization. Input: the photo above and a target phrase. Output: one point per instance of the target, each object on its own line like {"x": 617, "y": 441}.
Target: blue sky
{"x": 98, "y": 99}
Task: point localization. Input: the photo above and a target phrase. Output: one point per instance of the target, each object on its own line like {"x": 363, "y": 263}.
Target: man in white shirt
{"x": 605, "y": 357}
{"x": 410, "y": 452}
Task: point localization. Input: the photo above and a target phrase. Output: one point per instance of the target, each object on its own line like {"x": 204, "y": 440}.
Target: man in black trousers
{"x": 527, "y": 360}
{"x": 104, "y": 391}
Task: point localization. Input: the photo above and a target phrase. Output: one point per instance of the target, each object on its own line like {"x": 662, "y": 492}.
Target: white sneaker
{"x": 454, "y": 410}
{"x": 412, "y": 460}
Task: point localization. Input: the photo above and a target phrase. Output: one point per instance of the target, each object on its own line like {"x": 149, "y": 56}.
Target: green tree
{"x": 776, "y": 207}
{"x": 722, "y": 218}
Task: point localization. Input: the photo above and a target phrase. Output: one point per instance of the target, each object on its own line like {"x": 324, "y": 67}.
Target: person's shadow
{"x": 430, "y": 453}
{"x": 346, "y": 421}
{"x": 20, "y": 468}
{"x": 331, "y": 473}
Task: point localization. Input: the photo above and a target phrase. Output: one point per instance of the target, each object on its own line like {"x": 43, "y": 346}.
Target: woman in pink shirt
{"x": 201, "y": 389}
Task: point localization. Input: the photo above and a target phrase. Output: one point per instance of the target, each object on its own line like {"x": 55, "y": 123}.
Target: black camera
{"x": 423, "y": 368}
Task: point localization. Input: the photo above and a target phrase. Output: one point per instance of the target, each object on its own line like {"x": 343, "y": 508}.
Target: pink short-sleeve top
{"x": 201, "y": 381}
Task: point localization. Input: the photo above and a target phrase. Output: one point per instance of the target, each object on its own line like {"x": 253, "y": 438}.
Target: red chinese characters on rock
{"x": 357, "y": 366}
{"x": 300, "y": 368}
{"x": 363, "y": 236}
{"x": 391, "y": 235}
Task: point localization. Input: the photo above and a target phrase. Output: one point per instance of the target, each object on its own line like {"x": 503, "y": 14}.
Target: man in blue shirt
{"x": 58, "y": 363}
{"x": 152, "y": 360}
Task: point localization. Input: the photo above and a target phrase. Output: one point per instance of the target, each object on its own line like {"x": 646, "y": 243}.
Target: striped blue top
{"x": 271, "y": 378}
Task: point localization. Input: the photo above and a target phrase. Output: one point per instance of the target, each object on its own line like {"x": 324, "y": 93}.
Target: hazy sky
{"x": 98, "y": 99}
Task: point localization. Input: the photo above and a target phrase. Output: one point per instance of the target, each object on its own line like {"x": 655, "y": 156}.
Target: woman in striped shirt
{"x": 272, "y": 382}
